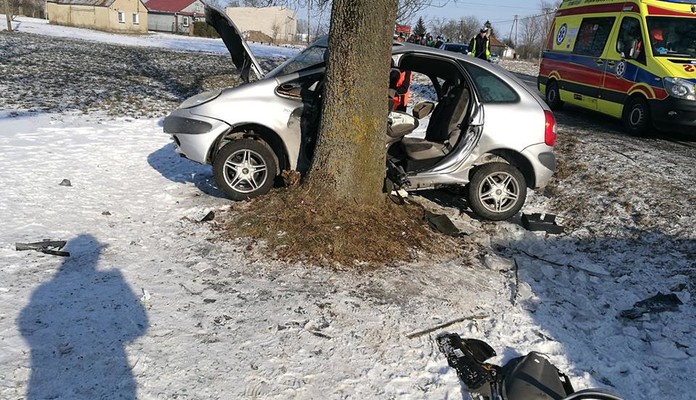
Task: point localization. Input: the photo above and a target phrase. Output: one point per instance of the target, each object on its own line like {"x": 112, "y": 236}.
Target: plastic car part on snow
{"x": 541, "y": 222}
{"x": 467, "y": 359}
{"x": 530, "y": 377}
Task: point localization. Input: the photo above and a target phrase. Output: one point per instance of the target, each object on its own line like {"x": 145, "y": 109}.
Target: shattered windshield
{"x": 672, "y": 37}
{"x": 310, "y": 57}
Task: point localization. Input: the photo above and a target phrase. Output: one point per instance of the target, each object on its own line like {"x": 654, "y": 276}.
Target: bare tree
{"x": 263, "y": 3}
{"x": 8, "y": 15}
{"x": 530, "y": 42}
{"x": 548, "y": 9}
{"x": 301, "y": 25}
{"x": 350, "y": 155}
{"x": 461, "y": 30}
{"x": 437, "y": 25}
{"x": 275, "y": 30}
{"x": 407, "y": 9}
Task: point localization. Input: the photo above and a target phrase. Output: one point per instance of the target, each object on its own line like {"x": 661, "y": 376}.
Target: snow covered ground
{"x": 152, "y": 304}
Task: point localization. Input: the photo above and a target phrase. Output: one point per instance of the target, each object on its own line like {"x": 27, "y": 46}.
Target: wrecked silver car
{"x": 482, "y": 130}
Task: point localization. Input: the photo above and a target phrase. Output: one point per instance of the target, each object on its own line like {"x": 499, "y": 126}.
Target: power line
{"x": 552, "y": 11}
{"x": 443, "y": 4}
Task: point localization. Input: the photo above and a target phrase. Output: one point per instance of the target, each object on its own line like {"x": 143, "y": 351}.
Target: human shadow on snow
{"x": 77, "y": 325}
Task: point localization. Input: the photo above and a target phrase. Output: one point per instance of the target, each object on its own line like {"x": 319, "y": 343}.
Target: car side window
{"x": 630, "y": 38}
{"x": 491, "y": 88}
{"x": 593, "y": 36}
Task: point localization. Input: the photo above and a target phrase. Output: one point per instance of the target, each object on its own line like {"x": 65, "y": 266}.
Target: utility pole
{"x": 461, "y": 30}
{"x": 8, "y": 15}
{"x": 309, "y": 15}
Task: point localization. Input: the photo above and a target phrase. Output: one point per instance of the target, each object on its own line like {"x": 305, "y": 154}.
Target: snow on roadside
{"x": 150, "y": 301}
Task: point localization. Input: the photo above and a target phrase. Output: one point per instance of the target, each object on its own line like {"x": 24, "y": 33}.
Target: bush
{"x": 201, "y": 28}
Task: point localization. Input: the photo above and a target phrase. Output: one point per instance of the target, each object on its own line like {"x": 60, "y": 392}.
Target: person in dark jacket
{"x": 479, "y": 46}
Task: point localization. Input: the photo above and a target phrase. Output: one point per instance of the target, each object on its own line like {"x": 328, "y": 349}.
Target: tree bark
{"x": 349, "y": 159}
{"x": 8, "y": 15}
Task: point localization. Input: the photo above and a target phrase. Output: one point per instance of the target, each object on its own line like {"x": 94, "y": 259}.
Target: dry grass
{"x": 296, "y": 227}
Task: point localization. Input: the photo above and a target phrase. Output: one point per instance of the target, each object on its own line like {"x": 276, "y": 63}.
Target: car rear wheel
{"x": 497, "y": 191}
{"x": 553, "y": 96}
{"x": 245, "y": 168}
{"x": 636, "y": 117}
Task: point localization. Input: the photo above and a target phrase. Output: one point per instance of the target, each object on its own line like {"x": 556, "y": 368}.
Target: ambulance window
{"x": 593, "y": 36}
{"x": 630, "y": 41}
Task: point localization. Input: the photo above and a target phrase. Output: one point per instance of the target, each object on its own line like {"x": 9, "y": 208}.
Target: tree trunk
{"x": 349, "y": 160}
{"x": 8, "y": 15}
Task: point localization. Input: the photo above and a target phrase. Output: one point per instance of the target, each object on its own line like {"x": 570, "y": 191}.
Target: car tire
{"x": 497, "y": 191}
{"x": 553, "y": 96}
{"x": 636, "y": 116}
{"x": 245, "y": 168}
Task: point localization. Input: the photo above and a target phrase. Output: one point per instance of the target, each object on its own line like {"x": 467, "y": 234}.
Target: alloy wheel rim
{"x": 245, "y": 171}
{"x": 499, "y": 192}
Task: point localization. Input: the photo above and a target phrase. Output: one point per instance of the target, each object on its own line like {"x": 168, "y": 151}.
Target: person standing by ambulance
{"x": 479, "y": 46}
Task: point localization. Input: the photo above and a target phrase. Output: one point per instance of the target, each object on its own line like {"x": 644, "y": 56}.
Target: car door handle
{"x": 599, "y": 61}
{"x": 611, "y": 63}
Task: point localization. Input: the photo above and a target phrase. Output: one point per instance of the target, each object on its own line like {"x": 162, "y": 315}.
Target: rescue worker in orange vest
{"x": 399, "y": 83}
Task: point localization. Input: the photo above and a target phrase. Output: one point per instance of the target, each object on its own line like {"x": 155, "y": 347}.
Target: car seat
{"x": 444, "y": 127}
{"x": 400, "y": 124}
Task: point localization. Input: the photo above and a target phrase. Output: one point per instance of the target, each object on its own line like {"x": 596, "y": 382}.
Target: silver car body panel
{"x": 196, "y": 147}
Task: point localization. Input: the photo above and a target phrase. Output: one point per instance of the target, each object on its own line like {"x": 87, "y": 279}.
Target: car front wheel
{"x": 497, "y": 191}
{"x": 244, "y": 169}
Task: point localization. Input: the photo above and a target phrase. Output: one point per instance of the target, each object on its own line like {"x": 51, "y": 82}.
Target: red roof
{"x": 168, "y": 6}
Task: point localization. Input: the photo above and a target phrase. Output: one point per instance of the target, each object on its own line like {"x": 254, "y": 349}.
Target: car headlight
{"x": 200, "y": 98}
{"x": 680, "y": 88}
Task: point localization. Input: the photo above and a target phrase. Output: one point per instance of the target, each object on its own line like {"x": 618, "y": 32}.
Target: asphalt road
{"x": 577, "y": 116}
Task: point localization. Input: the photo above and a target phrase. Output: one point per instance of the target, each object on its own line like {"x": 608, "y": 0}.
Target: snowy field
{"x": 151, "y": 304}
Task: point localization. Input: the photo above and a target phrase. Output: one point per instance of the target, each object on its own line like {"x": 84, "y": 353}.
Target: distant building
{"x": 128, "y": 16}
{"x": 501, "y": 48}
{"x": 175, "y": 16}
{"x": 279, "y": 23}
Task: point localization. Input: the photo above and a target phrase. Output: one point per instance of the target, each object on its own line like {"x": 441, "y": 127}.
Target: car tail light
{"x": 550, "y": 128}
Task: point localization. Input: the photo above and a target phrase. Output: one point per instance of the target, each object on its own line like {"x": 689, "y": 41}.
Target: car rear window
{"x": 491, "y": 88}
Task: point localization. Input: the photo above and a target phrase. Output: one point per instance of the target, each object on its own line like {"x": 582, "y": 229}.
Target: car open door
{"x": 242, "y": 57}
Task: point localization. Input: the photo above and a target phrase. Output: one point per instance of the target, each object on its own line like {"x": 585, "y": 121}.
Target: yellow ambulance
{"x": 634, "y": 60}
